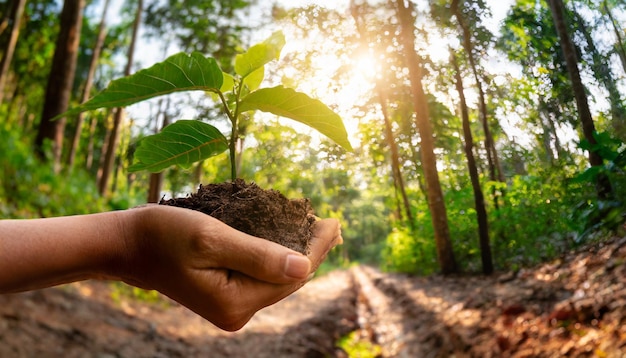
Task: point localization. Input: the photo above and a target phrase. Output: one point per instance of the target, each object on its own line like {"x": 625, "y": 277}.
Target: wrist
{"x": 128, "y": 233}
{"x": 136, "y": 237}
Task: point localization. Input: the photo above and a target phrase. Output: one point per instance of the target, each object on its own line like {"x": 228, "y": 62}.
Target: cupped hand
{"x": 220, "y": 273}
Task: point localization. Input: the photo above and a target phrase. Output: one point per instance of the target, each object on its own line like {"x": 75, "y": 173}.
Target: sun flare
{"x": 366, "y": 65}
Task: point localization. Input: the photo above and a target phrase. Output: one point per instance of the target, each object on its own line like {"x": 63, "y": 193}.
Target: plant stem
{"x": 235, "y": 133}
{"x": 232, "y": 149}
{"x": 233, "y": 136}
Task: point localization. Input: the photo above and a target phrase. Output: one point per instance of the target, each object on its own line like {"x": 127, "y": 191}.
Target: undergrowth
{"x": 30, "y": 188}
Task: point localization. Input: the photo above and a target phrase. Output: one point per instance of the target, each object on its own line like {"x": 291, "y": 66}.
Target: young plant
{"x": 188, "y": 141}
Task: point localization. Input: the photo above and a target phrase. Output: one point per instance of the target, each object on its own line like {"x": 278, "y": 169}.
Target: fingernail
{"x": 297, "y": 266}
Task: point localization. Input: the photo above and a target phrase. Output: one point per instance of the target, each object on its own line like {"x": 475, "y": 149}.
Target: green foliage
{"x": 357, "y": 347}
{"x": 597, "y": 214}
{"x": 531, "y": 223}
{"x": 187, "y": 142}
{"x": 29, "y": 188}
{"x": 213, "y": 27}
{"x": 259, "y": 55}
{"x": 181, "y": 143}
{"x": 286, "y": 102}
{"x": 120, "y": 291}
{"x": 410, "y": 252}
{"x": 178, "y": 73}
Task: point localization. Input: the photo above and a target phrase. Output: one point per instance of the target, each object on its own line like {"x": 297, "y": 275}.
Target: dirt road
{"x": 575, "y": 307}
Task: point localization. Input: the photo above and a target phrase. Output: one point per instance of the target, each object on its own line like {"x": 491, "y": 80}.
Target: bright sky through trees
{"x": 344, "y": 95}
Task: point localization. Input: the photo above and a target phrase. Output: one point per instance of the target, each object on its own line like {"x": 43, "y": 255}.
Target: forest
{"x": 488, "y": 138}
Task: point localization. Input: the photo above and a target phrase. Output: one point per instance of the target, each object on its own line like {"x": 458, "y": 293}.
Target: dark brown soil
{"x": 262, "y": 213}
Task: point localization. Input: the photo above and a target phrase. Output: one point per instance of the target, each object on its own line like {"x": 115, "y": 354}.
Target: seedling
{"x": 188, "y": 141}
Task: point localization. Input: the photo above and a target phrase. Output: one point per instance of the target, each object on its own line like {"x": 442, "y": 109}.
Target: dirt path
{"x": 81, "y": 320}
{"x": 573, "y": 307}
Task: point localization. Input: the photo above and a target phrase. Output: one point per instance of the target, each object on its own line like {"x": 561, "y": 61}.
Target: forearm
{"x": 41, "y": 253}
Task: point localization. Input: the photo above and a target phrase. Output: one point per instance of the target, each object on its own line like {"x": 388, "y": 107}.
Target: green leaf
{"x": 260, "y": 54}
{"x": 228, "y": 84}
{"x": 589, "y": 175}
{"x": 254, "y": 79}
{"x": 288, "y": 103}
{"x": 182, "y": 143}
{"x": 180, "y": 72}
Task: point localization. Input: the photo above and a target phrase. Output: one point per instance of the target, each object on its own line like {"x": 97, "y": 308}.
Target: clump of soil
{"x": 262, "y": 213}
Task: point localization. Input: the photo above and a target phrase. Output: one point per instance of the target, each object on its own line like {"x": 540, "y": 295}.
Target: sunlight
{"x": 364, "y": 72}
{"x": 439, "y": 51}
{"x": 344, "y": 82}
{"x": 367, "y": 66}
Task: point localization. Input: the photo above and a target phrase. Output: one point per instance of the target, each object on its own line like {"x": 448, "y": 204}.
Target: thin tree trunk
{"x": 109, "y": 160}
{"x": 7, "y": 11}
{"x": 119, "y": 159}
{"x": 603, "y": 184}
{"x": 618, "y": 34}
{"x": 479, "y": 199}
{"x": 395, "y": 159}
{"x": 389, "y": 137}
{"x": 397, "y": 213}
{"x": 156, "y": 179}
{"x": 154, "y": 188}
{"x": 93, "y": 124}
{"x": 197, "y": 173}
{"x": 603, "y": 74}
{"x": 549, "y": 134}
{"x": 419, "y": 170}
{"x": 495, "y": 173}
{"x": 108, "y": 125}
{"x": 88, "y": 84}
{"x": 445, "y": 254}
{"x": 60, "y": 80}
{"x": 18, "y": 10}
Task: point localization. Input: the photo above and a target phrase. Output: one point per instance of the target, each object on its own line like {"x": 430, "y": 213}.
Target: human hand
{"x": 220, "y": 273}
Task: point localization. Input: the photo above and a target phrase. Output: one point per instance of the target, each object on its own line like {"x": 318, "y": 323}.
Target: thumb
{"x": 264, "y": 260}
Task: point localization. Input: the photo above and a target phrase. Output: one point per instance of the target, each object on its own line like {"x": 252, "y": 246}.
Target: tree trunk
{"x": 495, "y": 172}
{"x": 60, "y": 80}
{"x": 198, "y": 172}
{"x": 603, "y": 185}
{"x": 90, "y": 143}
{"x": 156, "y": 179}
{"x": 88, "y": 84}
{"x": 395, "y": 160}
{"x": 618, "y": 34}
{"x": 109, "y": 159}
{"x": 6, "y": 15}
{"x": 603, "y": 74}
{"x": 18, "y": 10}
{"x": 445, "y": 254}
{"x": 108, "y": 126}
{"x": 479, "y": 199}
{"x": 398, "y": 180}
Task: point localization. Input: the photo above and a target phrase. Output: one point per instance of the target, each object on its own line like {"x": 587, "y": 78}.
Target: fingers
{"x": 217, "y": 271}
{"x": 262, "y": 259}
{"x": 326, "y": 235}
{"x": 271, "y": 262}
{"x": 238, "y": 299}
